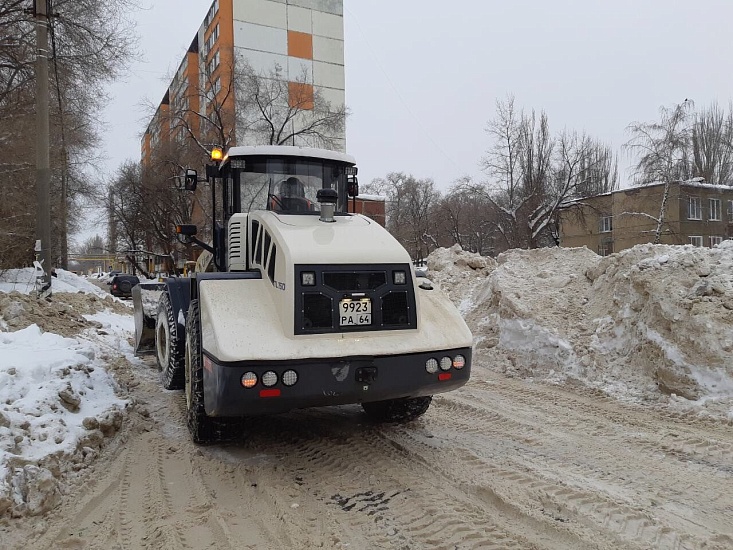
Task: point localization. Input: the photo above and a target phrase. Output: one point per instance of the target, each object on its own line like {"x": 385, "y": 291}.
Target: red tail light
{"x": 270, "y": 393}
{"x": 114, "y": 287}
{"x": 445, "y": 376}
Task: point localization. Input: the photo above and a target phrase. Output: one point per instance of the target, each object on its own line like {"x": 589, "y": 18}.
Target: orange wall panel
{"x": 301, "y": 95}
{"x": 300, "y": 45}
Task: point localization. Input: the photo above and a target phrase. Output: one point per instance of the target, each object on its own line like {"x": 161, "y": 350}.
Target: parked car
{"x": 121, "y": 285}
{"x": 111, "y": 275}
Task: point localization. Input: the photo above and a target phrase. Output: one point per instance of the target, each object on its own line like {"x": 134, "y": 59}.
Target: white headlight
{"x": 290, "y": 378}
{"x": 400, "y": 277}
{"x": 249, "y": 380}
{"x": 446, "y": 363}
{"x": 308, "y": 278}
{"x": 431, "y": 365}
{"x": 269, "y": 379}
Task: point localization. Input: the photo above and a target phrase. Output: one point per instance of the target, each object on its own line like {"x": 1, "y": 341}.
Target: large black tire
{"x": 204, "y": 429}
{"x": 169, "y": 345}
{"x": 397, "y": 410}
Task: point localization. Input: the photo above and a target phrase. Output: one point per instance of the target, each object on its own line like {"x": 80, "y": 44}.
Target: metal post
{"x": 43, "y": 164}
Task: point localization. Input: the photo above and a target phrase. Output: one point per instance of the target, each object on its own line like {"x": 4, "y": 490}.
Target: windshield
{"x": 288, "y": 184}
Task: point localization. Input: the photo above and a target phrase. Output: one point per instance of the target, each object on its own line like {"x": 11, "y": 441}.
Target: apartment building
{"x": 697, "y": 213}
{"x": 304, "y": 38}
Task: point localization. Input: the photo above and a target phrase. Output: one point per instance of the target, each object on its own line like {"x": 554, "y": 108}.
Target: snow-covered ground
{"x": 653, "y": 325}
{"x": 58, "y": 402}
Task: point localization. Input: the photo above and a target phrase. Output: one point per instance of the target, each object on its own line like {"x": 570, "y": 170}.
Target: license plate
{"x": 355, "y": 312}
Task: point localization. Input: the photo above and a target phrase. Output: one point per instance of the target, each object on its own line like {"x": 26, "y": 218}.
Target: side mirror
{"x": 191, "y": 180}
{"x": 186, "y": 233}
{"x": 352, "y": 186}
{"x": 187, "y": 230}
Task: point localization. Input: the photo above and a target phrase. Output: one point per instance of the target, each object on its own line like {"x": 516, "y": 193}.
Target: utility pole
{"x": 43, "y": 163}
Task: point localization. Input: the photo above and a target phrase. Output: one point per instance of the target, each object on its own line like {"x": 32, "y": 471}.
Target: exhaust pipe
{"x": 327, "y": 198}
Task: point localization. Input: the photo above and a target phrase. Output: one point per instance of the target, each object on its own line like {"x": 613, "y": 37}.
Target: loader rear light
{"x": 290, "y": 378}
{"x": 269, "y": 379}
{"x": 270, "y": 393}
{"x": 446, "y": 363}
{"x": 400, "y": 278}
{"x": 431, "y": 365}
{"x": 459, "y": 362}
{"x": 308, "y": 278}
{"x": 444, "y": 376}
{"x": 249, "y": 380}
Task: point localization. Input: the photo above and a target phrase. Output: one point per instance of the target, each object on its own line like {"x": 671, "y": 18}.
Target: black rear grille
{"x": 355, "y": 281}
{"x": 393, "y": 305}
{"x": 395, "y": 309}
{"x": 317, "y": 311}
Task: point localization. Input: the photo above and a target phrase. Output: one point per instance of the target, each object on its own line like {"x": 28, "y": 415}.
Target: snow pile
{"x": 652, "y": 323}
{"x": 58, "y": 404}
{"x": 23, "y": 281}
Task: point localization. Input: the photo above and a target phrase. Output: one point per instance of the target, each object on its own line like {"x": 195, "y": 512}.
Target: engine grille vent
{"x": 317, "y": 311}
{"x": 395, "y": 309}
{"x": 236, "y": 250}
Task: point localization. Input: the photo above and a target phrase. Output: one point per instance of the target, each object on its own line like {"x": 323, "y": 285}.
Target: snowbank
{"x": 58, "y": 403}
{"x": 652, "y": 323}
{"x": 23, "y": 281}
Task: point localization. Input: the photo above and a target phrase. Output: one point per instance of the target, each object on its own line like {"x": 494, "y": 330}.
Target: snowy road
{"x": 502, "y": 463}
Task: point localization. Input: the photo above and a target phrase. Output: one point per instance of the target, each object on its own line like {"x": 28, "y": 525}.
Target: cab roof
{"x": 288, "y": 151}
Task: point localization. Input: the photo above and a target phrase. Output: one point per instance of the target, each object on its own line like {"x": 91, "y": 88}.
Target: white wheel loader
{"x": 299, "y": 303}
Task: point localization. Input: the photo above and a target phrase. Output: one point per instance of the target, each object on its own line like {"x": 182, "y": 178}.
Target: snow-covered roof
{"x": 694, "y": 182}
{"x": 375, "y": 198}
{"x": 288, "y": 151}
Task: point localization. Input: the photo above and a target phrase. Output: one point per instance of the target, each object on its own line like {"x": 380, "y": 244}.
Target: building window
{"x": 216, "y": 88}
{"x": 715, "y": 214}
{"x": 212, "y": 13}
{"x": 694, "y": 211}
{"x": 715, "y": 241}
{"x": 211, "y": 41}
{"x": 730, "y": 210}
{"x": 214, "y": 63}
{"x": 606, "y": 225}
{"x": 696, "y": 241}
{"x": 605, "y": 248}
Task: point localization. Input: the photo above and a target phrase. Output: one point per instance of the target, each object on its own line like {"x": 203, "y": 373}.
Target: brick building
{"x": 697, "y": 213}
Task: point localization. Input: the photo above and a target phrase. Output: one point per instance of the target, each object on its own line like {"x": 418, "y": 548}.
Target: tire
{"x": 204, "y": 429}
{"x": 397, "y": 410}
{"x": 169, "y": 345}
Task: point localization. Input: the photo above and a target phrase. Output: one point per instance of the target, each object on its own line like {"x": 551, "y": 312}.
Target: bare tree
{"x": 535, "y": 174}
{"x": 712, "y": 145}
{"x": 89, "y": 46}
{"x": 410, "y": 205}
{"x": 465, "y": 217}
{"x": 663, "y": 149}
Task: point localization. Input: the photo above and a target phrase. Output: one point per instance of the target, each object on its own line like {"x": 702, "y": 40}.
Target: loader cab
{"x": 285, "y": 180}
{"x": 281, "y": 179}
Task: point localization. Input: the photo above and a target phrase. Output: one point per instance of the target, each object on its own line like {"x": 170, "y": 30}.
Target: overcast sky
{"x": 423, "y": 76}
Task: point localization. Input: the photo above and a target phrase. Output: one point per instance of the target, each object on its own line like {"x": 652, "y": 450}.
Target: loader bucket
{"x": 145, "y": 298}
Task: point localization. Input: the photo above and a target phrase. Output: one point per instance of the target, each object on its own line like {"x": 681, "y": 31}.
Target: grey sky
{"x": 423, "y": 76}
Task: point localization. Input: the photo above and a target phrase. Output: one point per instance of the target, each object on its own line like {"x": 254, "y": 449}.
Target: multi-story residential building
{"x": 304, "y": 38}
{"x": 697, "y": 213}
